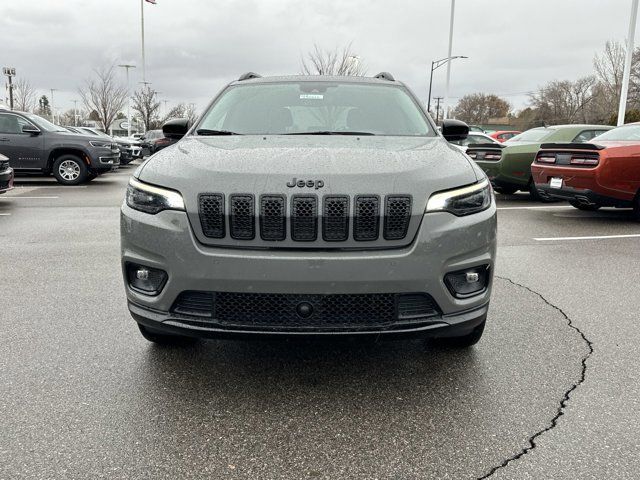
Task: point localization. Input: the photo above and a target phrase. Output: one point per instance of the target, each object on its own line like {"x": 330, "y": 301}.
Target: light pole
{"x": 627, "y": 64}
{"x": 435, "y": 65}
{"x": 53, "y": 110}
{"x": 446, "y": 90}
{"x": 75, "y": 113}
{"x": 127, "y": 67}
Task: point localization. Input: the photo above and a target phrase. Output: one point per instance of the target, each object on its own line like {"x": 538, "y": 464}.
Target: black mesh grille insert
{"x": 199, "y": 304}
{"x": 397, "y": 216}
{"x": 366, "y": 223}
{"x": 304, "y": 218}
{"x": 242, "y": 224}
{"x": 212, "y": 214}
{"x": 334, "y": 311}
{"x": 335, "y": 219}
{"x": 272, "y": 217}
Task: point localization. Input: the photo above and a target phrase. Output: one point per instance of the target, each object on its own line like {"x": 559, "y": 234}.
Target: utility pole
{"x": 127, "y": 67}
{"x": 438, "y": 108}
{"x": 10, "y": 73}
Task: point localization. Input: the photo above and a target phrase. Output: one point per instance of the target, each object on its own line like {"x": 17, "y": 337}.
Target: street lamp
{"x": 435, "y": 65}
{"x": 127, "y": 67}
{"x": 53, "y": 109}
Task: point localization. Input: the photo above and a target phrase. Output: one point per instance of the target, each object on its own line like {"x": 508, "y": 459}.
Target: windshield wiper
{"x": 330, "y": 132}
{"x": 206, "y": 131}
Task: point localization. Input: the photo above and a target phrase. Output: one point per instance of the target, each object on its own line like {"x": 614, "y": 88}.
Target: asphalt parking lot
{"x": 550, "y": 391}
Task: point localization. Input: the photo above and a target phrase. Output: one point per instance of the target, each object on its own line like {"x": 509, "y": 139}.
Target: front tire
{"x": 70, "y": 170}
{"x": 463, "y": 341}
{"x": 506, "y": 190}
{"x": 164, "y": 339}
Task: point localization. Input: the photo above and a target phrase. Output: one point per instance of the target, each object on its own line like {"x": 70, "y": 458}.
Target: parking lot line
{"x": 43, "y": 197}
{"x": 4, "y": 214}
{"x": 543, "y": 207}
{"x": 593, "y": 237}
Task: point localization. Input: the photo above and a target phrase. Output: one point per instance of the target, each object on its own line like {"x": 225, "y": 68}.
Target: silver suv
{"x": 310, "y": 205}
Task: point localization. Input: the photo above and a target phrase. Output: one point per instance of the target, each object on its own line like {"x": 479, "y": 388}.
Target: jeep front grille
{"x": 305, "y": 218}
{"x": 283, "y": 311}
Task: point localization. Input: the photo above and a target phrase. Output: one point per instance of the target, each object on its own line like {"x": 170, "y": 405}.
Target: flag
{"x": 151, "y": 1}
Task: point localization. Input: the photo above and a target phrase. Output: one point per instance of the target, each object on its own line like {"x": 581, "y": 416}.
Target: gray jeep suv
{"x": 37, "y": 146}
{"x": 310, "y": 205}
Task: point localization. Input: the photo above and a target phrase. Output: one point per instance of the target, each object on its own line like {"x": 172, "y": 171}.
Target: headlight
{"x": 98, "y": 143}
{"x": 462, "y": 201}
{"x": 150, "y": 199}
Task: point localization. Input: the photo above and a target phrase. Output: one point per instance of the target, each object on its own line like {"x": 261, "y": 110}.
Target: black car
{"x": 37, "y": 146}
{"x": 6, "y": 175}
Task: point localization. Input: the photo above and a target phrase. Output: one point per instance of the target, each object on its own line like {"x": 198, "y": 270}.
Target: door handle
{"x": 4, "y": 139}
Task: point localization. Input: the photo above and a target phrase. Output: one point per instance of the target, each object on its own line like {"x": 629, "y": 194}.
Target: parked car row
{"x": 6, "y": 175}
{"x": 508, "y": 165}
{"x": 130, "y": 149}
{"x": 74, "y": 155}
{"x": 591, "y": 166}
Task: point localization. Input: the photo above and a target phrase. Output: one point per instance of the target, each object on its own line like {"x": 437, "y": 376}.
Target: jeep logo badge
{"x": 305, "y": 183}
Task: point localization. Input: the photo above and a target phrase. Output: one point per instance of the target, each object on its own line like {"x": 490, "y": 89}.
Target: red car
{"x": 604, "y": 173}
{"x": 6, "y": 175}
{"x": 504, "y": 135}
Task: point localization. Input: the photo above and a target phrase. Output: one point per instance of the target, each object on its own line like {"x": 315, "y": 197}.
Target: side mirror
{"x": 30, "y": 129}
{"x": 454, "y": 130}
{"x": 176, "y": 128}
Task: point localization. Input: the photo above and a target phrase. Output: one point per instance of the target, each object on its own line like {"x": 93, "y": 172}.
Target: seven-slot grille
{"x": 240, "y": 215}
{"x": 280, "y": 310}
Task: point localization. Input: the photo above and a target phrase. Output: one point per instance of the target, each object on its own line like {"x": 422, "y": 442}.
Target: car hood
{"x": 349, "y": 164}
{"x": 84, "y": 138}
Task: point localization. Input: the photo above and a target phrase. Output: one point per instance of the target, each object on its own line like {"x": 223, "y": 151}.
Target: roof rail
{"x": 249, "y": 76}
{"x": 385, "y": 76}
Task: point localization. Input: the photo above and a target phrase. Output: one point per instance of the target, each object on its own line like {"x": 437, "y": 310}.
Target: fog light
{"x": 466, "y": 283}
{"x": 146, "y": 279}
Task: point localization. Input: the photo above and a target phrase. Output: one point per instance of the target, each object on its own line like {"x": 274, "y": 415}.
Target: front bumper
{"x": 6, "y": 180}
{"x": 444, "y": 244}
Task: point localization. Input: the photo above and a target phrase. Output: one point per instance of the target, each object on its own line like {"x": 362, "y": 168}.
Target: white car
{"x": 473, "y": 138}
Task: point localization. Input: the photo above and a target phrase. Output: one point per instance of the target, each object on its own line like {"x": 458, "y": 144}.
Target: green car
{"x": 508, "y": 165}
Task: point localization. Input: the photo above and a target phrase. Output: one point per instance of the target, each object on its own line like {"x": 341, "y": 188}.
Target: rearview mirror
{"x": 454, "y": 130}
{"x": 176, "y": 128}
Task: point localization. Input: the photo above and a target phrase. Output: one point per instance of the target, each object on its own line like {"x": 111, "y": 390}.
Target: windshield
{"x": 625, "y": 132}
{"x": 315, "y": 108}
{"x": 533, "y": 135}
{"x": 44, "y": 124}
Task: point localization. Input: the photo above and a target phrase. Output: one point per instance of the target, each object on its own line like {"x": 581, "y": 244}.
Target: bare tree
{"x": 479, "y": 108}
{"x": 24, "y": 95}
{"x": 332, "y": 62}
{"x": 104, "y": 95}
{"x": 146, "y": 103}
{"x": 609, "y": 68}
{"x": 564, "y": 101}
{"x": 181, "y": 110}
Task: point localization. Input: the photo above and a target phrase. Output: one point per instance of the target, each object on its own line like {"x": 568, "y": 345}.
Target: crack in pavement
{"x": 567, "y": 394}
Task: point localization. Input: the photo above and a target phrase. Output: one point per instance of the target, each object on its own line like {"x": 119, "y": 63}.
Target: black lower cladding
{"x": 299, "y": 311}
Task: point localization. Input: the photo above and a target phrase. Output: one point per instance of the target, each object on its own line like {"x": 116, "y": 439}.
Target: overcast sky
{"x": 195, "y": 47}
